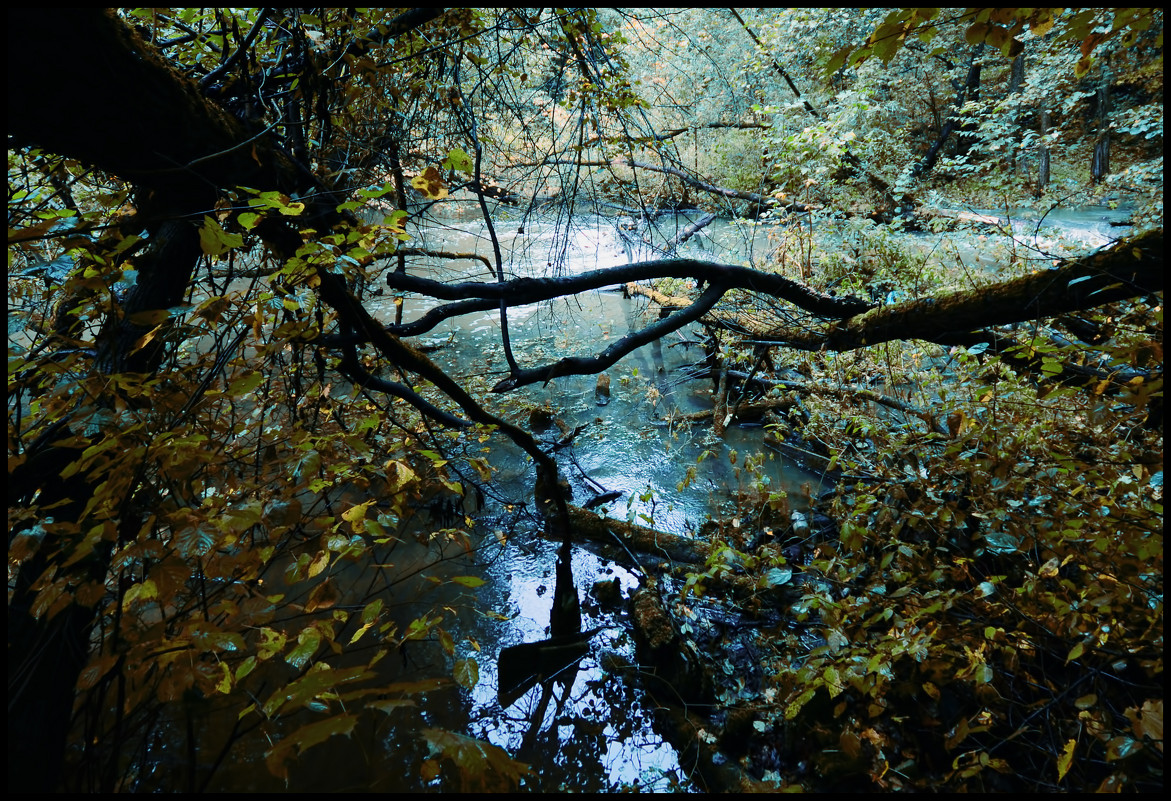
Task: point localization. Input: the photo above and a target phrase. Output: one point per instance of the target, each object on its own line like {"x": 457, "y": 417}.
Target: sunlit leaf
{"x": 430, "y": 184}
{"x": 458, "y": 160}
{"x": 307, "y": 642}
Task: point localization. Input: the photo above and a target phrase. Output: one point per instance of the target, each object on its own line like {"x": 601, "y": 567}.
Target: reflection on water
{"x": 594, "y": 731}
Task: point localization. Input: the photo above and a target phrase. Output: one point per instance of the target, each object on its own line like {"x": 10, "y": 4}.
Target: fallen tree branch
{"x": 445, "y": 254}
{"x": 736, "y": 194}
{"x": 1131, "y": 268}
{"x": 712, "y": 189}
{"x": 690, "y": 231}
{"x": 521, "y": 291}
{"x": 585, "y": 365}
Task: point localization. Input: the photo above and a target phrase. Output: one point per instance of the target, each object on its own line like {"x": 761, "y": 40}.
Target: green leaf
{"x": 459, "y": 160}
{"x": 800, "y": 701}
{"x": 214, "y": 240}
{"x": 307, "y": 642}
{"x": 371, "y": 611}
{"x": 246, "y": 667}
{"x": 837, "y": 60}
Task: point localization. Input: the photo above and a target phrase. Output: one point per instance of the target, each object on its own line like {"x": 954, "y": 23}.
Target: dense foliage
{"x": 242, "y": 510}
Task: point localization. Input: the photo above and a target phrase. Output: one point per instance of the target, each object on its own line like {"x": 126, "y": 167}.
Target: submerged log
{"x": 607, "y": 532}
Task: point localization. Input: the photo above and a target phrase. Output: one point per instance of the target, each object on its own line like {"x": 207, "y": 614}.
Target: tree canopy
{"x": 225, "y": 431}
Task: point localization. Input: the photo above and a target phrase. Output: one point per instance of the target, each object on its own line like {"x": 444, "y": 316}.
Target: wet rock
{"x": 608, "y": 594}
{"x": 602, "y": 390}
{"x": 540, "y": 417}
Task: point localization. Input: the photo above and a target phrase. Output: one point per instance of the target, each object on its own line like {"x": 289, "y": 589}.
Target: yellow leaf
{"x": 467, "y": 673}
{"x": 225, "y": 684}
{"x": 319, "y": 564}
{"x": 430, "y": 183}
{"x": 1066, "y": 759}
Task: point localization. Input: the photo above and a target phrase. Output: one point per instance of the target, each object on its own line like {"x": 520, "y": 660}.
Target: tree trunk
{"x": 1100, "y": 163}
{"x": 1043, "y": 152}
{"x": 1016, "y": 83}
{"x": 971, "y": 89}
{"x": 178, "y": 155}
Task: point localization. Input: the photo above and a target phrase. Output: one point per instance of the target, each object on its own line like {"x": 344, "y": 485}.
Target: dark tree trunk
{"x": 1016, "y": 81}
{"x": 1131, "y": 268}
{"x": 108, "y": 99}
{"x": 1100, "y": 163}
{"x": 970, "y": 89}
{"x": 1043, "y": 152}
{"x": 177, "y": 155}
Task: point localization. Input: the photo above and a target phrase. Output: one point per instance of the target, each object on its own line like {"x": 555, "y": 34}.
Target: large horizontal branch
{"x": 520, "y": 291}
{"x": 1131, "y": 268}
{"x": 1127, "y": 270}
